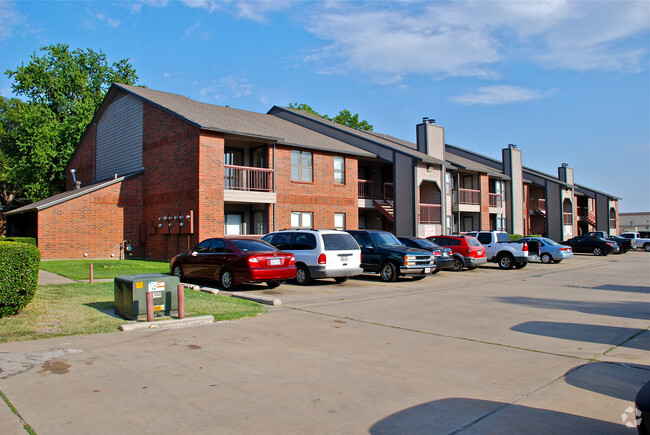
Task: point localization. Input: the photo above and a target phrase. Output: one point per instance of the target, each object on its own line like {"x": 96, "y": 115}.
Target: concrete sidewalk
{"x": 46, "y": 278}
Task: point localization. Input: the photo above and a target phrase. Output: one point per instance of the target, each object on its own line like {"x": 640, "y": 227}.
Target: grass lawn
{"x": 79, "y": 269}
{"x": 76, "y": 309}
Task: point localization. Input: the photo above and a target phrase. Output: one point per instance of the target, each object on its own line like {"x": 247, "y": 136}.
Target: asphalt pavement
{"x": 559, "y": 348}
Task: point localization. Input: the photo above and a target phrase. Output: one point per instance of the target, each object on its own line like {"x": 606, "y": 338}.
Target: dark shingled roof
{"x": 242, "y": 122}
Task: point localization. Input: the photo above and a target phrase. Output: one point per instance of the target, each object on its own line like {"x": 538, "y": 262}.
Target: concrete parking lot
{"x": 559, "y": 348}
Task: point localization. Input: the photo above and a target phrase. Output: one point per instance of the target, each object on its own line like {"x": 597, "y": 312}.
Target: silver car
{"x": 547, "y": 250}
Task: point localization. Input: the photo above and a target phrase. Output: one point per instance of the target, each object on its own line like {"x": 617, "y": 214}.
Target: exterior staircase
{"x": 385, "y": 207}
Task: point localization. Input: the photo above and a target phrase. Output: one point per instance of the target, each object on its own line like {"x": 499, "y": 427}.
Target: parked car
{"x": 467, "y": 251}
{"x": 442, "y": 256}
{"x": 623, "y": 243}
{"x": 383, "y": 253}
{"x": 501, "y": 250}
{"x": 638, "y": 240}
{"x": 232, "y": 261}
{"x": 547, "y": 250}
{"x": 595, "y": 245}
{"x": 319, "y": 253}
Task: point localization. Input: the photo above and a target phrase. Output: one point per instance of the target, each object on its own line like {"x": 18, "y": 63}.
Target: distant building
{"x": 634, "y": 222}
{"x": 159, "y": 172}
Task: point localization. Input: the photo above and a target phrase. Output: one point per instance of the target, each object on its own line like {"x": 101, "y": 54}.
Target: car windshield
{"x": 253, "y": 245}
{"x": 550, "y": 242}
{"x": 385, "y": 239}
{"x": 339, "y": 242}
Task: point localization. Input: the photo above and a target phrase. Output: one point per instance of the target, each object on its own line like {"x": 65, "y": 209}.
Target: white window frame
{"x": 302, "y": 219}
{"x": 339, "y": 173}
{"x": 305, "y": 172}
{"x": 339, "y": 225}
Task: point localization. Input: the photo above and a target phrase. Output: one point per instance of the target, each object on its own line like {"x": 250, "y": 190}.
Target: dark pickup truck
{"x": 383, "y": 253}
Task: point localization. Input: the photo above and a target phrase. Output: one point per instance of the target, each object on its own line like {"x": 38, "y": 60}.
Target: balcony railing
{"x": 366, "y": 189}
{"x": 467, "y": 196}
{"x": 496, "y": 200}
{"x": 567, "y": 218}
{"x": 430, "y": 213}
{"x": 537, "y": 204}
{"x": 248, "y": 178}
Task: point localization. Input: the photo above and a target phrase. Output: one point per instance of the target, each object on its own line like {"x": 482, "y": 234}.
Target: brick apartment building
{"x": 157, "y": 172}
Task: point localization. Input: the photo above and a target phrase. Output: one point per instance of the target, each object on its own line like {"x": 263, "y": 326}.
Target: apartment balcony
{"x": 466, "y": 200}
{"x": 430, "y": 214}
{"x": 537, "y": 206}
{"x": 248, "y": 184}
{"x": 496, "y": 200}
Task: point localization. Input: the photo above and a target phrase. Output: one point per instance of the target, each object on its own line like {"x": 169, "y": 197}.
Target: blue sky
{"x": 567, "y": 81}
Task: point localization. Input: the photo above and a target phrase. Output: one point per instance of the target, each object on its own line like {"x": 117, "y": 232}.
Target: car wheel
{"x": 546, "y": 258}
{"x": 506, "y": 261}
{"x": 646, "y": 247}
{"x": 177, "y": 271}
{"x": 598, "y": 251}
{"x": 341, "y": 279}
{"x": 388, "y": 272}
{"x": 273, "y": 284}
{"x": 226, "y": 279}
{"x": 458, "y": 265}
{"x": 303, "y": 277}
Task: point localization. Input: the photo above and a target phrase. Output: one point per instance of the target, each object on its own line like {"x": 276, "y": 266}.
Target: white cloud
{"x": 227, "y": 88}
{"x": 474, "y": 38}
{"x": 10, "y": 19}
{"x": 501, "y": 94}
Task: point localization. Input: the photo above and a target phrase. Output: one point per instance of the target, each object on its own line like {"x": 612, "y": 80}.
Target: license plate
{"x": 427, "y": 270}
{"x": 275, "y": 261}
{"x": 345, "y": 258}
{"x": 158, "y": 307}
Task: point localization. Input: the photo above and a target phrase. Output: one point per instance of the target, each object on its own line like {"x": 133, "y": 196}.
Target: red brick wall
{"x": 321, "y": 197}
{"x": 170, "y": 158}
{"x": 83, "y": 161}
{"x": 94, "y": 224}
{"x": 210, "y": 193}
{"x": 484, "y": 187}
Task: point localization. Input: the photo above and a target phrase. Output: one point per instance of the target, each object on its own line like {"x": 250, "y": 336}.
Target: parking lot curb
{"x": 171, "y": 323}
{"x": 259, "y": 299}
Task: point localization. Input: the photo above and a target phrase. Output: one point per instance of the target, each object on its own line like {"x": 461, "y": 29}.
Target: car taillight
{"x": 525, "y": 247}
{"x": 322, "y": 258}
{"x": 610, "y": 244}
{"x": 254, "y": 260}
{"x": 468, "y": 250}
{"x": 292, "y": 260}
{"x": 565, "y": 249}
{"x": 437, "y": 254}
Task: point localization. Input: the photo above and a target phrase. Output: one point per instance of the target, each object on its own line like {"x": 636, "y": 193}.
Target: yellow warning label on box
{"x": 139, "y": 284}
{"x": 159, "y": 308}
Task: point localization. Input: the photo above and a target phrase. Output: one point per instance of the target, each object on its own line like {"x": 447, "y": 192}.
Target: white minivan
{"x": 319, "y": 253}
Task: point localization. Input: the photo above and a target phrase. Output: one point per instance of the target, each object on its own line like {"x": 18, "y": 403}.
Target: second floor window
{"x": 339, "y": 170}
{"x": 301, "y": 166}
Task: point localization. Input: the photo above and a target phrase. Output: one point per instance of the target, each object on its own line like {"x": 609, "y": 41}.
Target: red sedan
{"x": 234, "y": 260}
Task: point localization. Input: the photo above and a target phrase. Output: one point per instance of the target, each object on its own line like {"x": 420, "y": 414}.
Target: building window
{"x": 339, "y": 221}
{"x": 301, "y": 166}
{"x": 339, "y": 170}
{"x": 302, "y": 219}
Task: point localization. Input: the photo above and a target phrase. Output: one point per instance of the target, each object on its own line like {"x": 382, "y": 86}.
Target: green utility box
{"x": 131, "y": 295}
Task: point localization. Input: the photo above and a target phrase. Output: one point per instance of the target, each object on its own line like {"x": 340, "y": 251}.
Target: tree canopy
{"x": 344, "y": 117}
{"x": 59, "y": 93}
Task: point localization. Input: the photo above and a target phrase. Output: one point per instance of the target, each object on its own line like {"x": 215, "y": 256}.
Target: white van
{"x": 319, "y": 253}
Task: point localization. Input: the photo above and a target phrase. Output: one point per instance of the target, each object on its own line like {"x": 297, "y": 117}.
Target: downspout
{"x": 276, "y": 193}
{"x": 458, "y": 197}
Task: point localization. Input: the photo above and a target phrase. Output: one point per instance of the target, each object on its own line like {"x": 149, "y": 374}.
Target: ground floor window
{"x": 339, "y": 221}
{"x": 302, "y": 219}
{"x": 234, "y": 224}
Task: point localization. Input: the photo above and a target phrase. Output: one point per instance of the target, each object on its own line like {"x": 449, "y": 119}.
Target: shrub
{"x": 515, "y": 237}
{"x": 19, "y": 264}
{"x": 28, "y": 240}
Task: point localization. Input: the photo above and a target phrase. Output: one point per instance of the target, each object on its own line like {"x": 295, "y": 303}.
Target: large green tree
{"x": 344, "y": 117}
{"x": 59, "y": 92}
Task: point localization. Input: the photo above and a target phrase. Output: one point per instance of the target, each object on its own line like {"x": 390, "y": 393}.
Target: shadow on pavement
{"x": 483, "y": 416}
{"x": 612, "y": 335}
{"x": 628, "y": 310}
{"x": 605, "y": 378}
